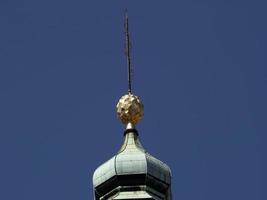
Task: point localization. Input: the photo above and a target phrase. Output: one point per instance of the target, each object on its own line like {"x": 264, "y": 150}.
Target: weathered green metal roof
{"x": 134, "y": 162}
{"x": 131, "y": 159}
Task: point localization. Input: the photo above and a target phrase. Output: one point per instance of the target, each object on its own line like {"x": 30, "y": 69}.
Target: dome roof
{"x": 131, "y": 166}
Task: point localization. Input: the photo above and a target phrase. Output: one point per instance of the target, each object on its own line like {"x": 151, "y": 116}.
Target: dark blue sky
{"x": 199, "y": 68}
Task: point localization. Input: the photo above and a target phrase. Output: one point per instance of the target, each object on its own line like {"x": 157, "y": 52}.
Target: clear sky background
{"x": 199, "y": 67}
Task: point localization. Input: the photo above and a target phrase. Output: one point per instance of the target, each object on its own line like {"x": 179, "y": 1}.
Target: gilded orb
{"x": 130, "y": 109}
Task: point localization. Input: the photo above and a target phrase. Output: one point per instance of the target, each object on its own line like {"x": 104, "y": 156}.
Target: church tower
{"x": 132, "y": 173}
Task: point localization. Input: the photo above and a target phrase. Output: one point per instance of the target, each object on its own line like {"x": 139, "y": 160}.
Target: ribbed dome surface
{"x": 131, "y": 166}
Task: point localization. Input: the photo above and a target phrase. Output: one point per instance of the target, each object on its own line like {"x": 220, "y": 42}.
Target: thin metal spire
{"x": 127, "y": 52}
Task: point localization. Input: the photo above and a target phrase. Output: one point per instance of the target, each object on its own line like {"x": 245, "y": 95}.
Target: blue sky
{"x": 198, "y": 66}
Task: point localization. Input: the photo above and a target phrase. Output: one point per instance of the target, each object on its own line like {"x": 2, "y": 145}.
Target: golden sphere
{"x": 130, "y": 109}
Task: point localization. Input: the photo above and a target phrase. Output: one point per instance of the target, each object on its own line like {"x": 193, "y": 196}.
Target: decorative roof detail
{"x": 130, "y": 109}
{"x": 132, "y": 173}
{"x": 132, "y": 166}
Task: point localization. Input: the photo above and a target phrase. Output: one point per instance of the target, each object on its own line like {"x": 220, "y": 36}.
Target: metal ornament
{"x": 129, "y": 108}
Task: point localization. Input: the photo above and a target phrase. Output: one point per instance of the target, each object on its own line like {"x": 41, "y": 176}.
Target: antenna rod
{"x": 127, "y": 52}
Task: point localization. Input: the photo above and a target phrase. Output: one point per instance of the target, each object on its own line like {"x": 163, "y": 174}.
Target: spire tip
{"x": 127, "y": 52}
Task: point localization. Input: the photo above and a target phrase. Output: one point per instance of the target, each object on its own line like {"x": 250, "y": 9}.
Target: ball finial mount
{"x": 130, "y": 109}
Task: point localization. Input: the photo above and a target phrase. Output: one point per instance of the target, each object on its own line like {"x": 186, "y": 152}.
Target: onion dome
{"x": 132, "y": 173}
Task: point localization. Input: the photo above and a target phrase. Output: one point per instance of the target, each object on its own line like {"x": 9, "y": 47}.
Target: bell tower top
{"x": 132, "y": 173}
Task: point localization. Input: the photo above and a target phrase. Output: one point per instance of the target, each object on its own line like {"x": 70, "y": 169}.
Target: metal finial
{"x": 127, "y": 52}
{"x": 130, "y": 109}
